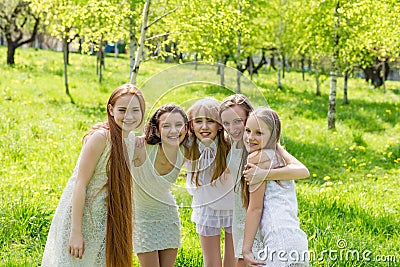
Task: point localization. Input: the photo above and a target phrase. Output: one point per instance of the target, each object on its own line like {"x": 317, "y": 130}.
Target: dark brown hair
{"x": 151, "y": 130}
{"x": 271, "y": 118}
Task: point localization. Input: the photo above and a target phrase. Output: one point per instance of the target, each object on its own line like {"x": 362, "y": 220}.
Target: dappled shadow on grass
{"x": 320, "y": 216}
{"x": 364, "y": 115}
{"x": 325, "y": 161}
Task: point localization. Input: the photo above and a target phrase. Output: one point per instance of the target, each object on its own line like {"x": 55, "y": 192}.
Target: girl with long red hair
{"x": 92, "y": 225}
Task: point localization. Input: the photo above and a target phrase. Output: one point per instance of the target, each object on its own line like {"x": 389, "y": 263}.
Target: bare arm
{"x": 293, "y": 170}
{"x": 253, "y": 216}
{"x": 91, "y": 153}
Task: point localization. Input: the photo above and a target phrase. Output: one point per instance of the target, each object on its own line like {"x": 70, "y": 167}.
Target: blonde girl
{"x": 234, "y": 111}
{"x": 271, "y": 205}
{"x": 209, "y": 182}
{"x": 156, "y": 233}
{"x": 92, "y": 225}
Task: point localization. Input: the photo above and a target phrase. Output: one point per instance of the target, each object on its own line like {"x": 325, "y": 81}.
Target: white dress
{"x": 280, "y": 226}
{"x": 212, "y": 203}
{"x": 94, "y": 218}
{"x": 156, "y": 224}
{"x": 239, "y": 212}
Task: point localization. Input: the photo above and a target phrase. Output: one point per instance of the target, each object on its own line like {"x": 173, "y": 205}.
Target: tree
{"x": 16, "y": 20}
{"x": 62, "y": 20}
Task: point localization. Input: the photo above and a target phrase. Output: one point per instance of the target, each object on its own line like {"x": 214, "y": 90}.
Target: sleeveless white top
{"x": 156, "y": 218}
{"x": 280, "y": 225}
{"x": 212, "y": 202}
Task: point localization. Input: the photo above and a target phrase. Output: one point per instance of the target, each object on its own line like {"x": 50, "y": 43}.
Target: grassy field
{"x": 349, "y": 207}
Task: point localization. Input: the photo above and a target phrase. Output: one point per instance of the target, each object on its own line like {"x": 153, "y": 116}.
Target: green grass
{"x": 353, "y": 193}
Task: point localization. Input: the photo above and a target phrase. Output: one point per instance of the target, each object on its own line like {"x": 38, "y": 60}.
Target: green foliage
{"x": 352, "y": 193}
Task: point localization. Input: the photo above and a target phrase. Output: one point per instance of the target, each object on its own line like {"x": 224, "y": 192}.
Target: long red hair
{"x": 119, "y": 185}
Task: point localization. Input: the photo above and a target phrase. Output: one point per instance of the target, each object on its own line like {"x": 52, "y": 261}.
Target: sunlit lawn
{"x": 350, "y": 202}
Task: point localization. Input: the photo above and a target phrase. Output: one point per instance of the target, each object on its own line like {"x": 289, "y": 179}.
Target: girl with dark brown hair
{"x": 156, "y": 232}
{"x": 92, "y": 225}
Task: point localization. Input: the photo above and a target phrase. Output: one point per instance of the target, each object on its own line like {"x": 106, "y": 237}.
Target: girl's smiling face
{"x": 172, "y": 128}
{"x": 205, "y": 129}
{"x": 256, "y": 135}
{"x": 233, "y": 120}
{"x": 126, "y": 112}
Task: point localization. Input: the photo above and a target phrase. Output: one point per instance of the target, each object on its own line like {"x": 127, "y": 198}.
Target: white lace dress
{"x": 212, "y": 203}
{"x": 239, "y": 212}
{"x": 94, "y": 219}
{"x": 280, "y": 226}
{"x": 156, "y": 219}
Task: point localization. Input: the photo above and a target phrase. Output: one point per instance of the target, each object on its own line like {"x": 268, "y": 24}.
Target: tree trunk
{"x": 332, "y": 94}
{"x": 279, "y": 80}
{"x": 139, "y": 52}
{"x": 318, "y": 93}
{"x": 101, "y": 60}
{"x": 10, "y": 53}
{"x": 65, "y": 50}
{"x": 132, "y": 44}
{"x": 116, "y": 50}
{"x": 345, "y": 82}
{"x": 384, "y": 75}
{"x": 302, "y": 66}
{"x": 250, "y": 66}
{"x": 283, "y": 66}
{"x": 221, "y": 70}
{"x": 195, "y": 61}
{"x": 239, "y": 43}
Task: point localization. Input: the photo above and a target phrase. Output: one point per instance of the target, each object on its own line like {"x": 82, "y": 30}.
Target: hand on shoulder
{"x": 260, "y": 156}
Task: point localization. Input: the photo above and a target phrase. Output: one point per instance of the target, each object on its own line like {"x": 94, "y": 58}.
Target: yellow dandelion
{"x": 336, "y": 148}
{"x": 345, "y": 165}
{"x": 353, "y": 159}
{"x": 348, "y": 169}
{"x": 314, "y": 175}
{"x": 388, "y": 111}
{"x": 389, "y": 154}
{"x": 327, "y": 178}
{"x": 361, "y": 148}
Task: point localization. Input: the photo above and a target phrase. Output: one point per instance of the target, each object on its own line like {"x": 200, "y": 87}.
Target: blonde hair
{"x": 207, "y": 108}
{"x": 273, "y": 122}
